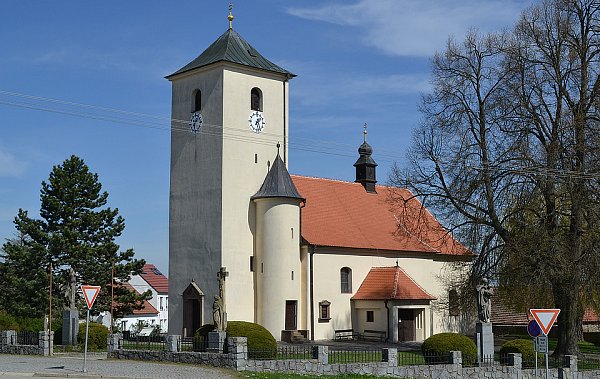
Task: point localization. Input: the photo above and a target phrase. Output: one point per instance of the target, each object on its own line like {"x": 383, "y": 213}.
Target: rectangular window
{"x": 252, "y": 263}
{"x": 161, "y": 304}
{"x": 324, "y": 311}
{"x": 370, "y": 316}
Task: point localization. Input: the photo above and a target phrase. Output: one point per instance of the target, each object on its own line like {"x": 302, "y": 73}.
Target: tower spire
{"x": 365, "y": 133}
{"x": 230, "y": 17}
{"x": 365, "y": 165}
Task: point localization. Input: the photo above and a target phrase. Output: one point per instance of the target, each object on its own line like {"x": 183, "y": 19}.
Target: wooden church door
{"x": 406, "y": 325}
{"x": 291, "y": 311}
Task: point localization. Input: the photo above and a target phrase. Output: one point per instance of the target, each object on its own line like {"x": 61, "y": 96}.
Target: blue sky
{"x": 87, "y": 78}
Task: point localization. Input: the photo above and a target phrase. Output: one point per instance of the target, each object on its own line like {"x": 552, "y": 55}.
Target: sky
{"x": 87, "y": 78}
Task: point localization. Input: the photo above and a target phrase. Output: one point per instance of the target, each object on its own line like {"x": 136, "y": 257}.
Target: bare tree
{"x": 507, "y": 153}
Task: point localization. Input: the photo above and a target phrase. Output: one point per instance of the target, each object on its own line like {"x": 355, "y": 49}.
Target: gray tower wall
{"x": 195, "y": 206}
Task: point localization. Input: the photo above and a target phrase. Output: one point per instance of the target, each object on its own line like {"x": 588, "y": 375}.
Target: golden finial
{"x": 230, "y": 17}
{"x": 365, "y": 132}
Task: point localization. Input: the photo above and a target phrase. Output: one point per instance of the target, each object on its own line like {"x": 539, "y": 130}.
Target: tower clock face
{"x": 196, "y": 122}
{"x": 256, "y": 121}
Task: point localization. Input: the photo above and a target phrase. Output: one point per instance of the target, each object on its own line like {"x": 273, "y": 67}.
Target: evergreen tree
{"x": 77, "y": 235}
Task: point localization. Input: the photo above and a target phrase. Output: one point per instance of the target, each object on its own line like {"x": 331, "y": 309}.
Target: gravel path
{"x": 19, "y": 366}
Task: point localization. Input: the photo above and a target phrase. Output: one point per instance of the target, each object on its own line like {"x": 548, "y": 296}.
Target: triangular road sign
{"x": 90, "y": 293}
{"x": 545, "y": 318}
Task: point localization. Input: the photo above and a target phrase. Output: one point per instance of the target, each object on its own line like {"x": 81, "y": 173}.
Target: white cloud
{"x": 10, "y": 165}
{"x": 415, "y": 27}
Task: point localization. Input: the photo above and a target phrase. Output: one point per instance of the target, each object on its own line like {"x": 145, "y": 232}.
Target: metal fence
{"x": 412, "y": 358}
{"x": 587, "y": 362}
{"x": 287, "y": 353}
{"x": 355, "y": 356}
{"x": 197, "y": 344}
{"x": 144, "y": 343}
{"x": 27, "y": 338}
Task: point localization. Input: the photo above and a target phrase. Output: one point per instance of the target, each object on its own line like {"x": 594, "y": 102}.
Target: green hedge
{"x": 444, "y": 343}
{"x": 97, "y": 336}
{"x": 261, "y": 344}
{"x": 523, "y": 346}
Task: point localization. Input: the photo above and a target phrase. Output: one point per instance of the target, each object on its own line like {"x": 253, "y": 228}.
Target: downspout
{"x": 387, "y": 337}
{"x": 284, "y": 124}
{"x": 312, "y": 296}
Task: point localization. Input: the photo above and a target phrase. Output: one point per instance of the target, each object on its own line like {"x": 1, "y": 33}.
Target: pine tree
{"x": 77, "y": 235}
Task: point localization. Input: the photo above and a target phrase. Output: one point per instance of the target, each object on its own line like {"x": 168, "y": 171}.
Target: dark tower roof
{"x": 231, "y": 47}
{"x": 278, "y": 183}
{"x": 365, "y": 166}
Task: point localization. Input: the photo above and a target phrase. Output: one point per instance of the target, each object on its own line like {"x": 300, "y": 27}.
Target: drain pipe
{"x": 312, "y": 296}
{"x": 387, "y": 338}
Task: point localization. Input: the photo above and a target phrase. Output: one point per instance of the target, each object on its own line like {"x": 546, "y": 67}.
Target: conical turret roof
{"x": 278, "y": 183}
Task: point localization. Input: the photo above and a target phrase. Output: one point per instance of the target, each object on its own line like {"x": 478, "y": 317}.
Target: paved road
{"x": 61, "y": 366}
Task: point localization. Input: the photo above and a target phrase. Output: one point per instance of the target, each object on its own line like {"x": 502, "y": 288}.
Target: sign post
{"x": 545, "y": 318}
{"x": 90, "y": 293}
{"x": 534, "y": 330}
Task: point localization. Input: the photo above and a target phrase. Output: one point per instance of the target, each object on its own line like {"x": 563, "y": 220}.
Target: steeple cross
{"x": 230, "y": 17}
{"x": 365, "y": 132}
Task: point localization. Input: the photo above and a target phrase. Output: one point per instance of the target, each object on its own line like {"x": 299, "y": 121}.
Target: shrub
{"x": 523, "y": 346}
{"x": 261, "y": 344}
{"x": 97, "y": 336}
{"x": 444, "y": 343}
{"x": 8, "y": 322}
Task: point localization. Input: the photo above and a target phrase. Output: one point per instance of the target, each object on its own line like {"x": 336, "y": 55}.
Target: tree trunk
{"x": 566, "y": 299}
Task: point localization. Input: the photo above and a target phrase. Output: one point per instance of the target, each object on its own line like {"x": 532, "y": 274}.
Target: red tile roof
{"x": 502, "y": 314}
{"x": 146, "y": 309}
{"x": 343, "y": 214}
{"x": 155, "y": 278}
{"x": 390, "y": 283}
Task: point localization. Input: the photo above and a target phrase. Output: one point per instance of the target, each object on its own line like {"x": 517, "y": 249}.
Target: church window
{"x": 346, "y": 279}
{"x": 370, "y": 316}
{"x": 256, "y": 99}
{"x": 453, "y": 309}
{"x": 252, "y": 263}
{"x": 292, "y": 275}
{"x": 255, "y": 158}
{"x": 197, "y": 101}
{"x": 324, "y": 311}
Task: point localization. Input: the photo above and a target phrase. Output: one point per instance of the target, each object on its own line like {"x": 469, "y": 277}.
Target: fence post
{"x": 238, "y": 351}
{"x": 456, "y": 357}
{"x": 570, "y": 362}
{"x": 45, "y": 342}
{"x": 113, "y": 342}
{"x": 9, "y": 337}
{"x": 172, "y": 343}
{"x": 390, "y": 355}
{"x": 515, "y": 360}
{"x": 321, "y": 354}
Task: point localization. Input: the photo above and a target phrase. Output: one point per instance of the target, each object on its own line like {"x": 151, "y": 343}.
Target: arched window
{"x": 346, "y": 279}
{"x": 256, "y": 99}
{"x": 197, "y": 101}
{"x": 453, "y": 308}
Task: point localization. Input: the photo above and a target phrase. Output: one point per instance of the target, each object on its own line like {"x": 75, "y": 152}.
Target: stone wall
{"x": 8, "y": 344}
{"x": 237, "y": 359}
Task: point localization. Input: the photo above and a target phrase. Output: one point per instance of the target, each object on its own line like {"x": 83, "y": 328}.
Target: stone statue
{"x": 219, "y": 314}
{"x": 219, "y": 311}
{"x": 484, "y": 300}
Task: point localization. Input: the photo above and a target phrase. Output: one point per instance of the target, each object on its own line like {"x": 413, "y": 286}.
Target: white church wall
{"x": 245, "y": 164}
{"x": 327, "y": 265}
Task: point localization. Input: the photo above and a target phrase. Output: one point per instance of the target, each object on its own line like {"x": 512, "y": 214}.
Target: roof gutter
{"x": 387, "y": 337}
{"x": 312, "y": 296}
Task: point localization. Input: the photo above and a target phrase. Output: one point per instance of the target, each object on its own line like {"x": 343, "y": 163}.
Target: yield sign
{"x": 545, "y": 318}
{"x": 90, "y": 293}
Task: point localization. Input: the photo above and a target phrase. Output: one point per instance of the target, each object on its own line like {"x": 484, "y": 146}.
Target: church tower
{"x": 229, "y": 111}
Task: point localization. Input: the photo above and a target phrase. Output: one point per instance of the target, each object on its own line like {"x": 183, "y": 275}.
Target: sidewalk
{"x": 71, "y": 366}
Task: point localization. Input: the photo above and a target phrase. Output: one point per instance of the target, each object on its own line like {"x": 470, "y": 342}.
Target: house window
{"x": 346, "y": 280}
{"x": 453, "y": 308}
{"x": 324, "y": 311}
{"x": 161, "y": 304}
{"x": 256, "y": 99}
{"x": 370, "y": 316}
{"x": 197, "y": 101}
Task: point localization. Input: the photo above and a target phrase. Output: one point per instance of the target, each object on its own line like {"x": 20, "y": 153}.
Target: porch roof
{"x": 390, "y": 283}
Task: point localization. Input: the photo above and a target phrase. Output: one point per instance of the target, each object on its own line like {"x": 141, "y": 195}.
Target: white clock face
{"x": 196, "y": 122}
{"x": 256, "y": 121}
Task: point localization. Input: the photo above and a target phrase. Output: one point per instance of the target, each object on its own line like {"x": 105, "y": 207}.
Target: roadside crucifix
{"x": 219, "y": 310}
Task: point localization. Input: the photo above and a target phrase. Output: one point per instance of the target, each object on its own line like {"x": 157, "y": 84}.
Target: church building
{"x": 302, "y": 256}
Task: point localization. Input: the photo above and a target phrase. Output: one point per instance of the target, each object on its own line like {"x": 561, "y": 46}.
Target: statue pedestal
{"x": 70, "y": 327}
{"x": 484, "y": 338}
{"x": 216, "y": 341}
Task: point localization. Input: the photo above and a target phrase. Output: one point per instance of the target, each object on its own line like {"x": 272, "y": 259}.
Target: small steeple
{"x": 278, "y": 183}
{"x": 230, "y": 17}
{"x": 365, "y": 165}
